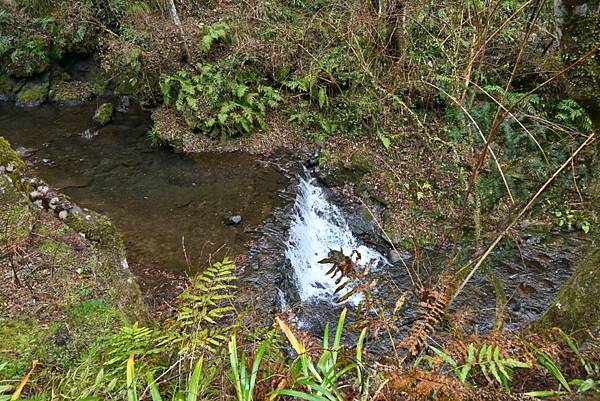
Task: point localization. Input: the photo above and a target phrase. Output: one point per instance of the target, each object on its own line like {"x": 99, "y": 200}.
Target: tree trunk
{"x": 578, "y": 32}
{"x": 177, "y": 23}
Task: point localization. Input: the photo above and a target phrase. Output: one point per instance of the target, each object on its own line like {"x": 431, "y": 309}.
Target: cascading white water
{"x": 318, "y": 227}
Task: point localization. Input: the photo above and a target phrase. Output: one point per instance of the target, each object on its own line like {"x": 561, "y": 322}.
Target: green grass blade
{"x": 194, "y": 383}
{"x": 131, "y": 387}
{"x": 154, "y": 393}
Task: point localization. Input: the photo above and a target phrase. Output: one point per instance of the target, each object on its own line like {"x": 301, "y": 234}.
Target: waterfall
{"x": 317, "y": 227}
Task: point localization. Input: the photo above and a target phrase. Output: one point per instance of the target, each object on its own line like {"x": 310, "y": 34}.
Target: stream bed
{"x": 175, "y": 210}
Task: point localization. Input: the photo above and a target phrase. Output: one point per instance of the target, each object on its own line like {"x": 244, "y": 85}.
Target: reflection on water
{"x": 155, "y": 197}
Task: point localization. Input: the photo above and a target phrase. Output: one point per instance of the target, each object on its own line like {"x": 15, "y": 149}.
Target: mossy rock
{"x": 33, "y": 94}
{"x": 104, "y": 113}
{"x": 9, "y": 87}
{"x": 71, "y": 93}
{"x": 8, "y": 155}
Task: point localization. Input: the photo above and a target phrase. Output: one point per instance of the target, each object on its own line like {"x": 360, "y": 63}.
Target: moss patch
{"x": 9, "y": 87}
{"x": 71, "y": 93}
{"x": 33, "y": 94}
{"x": 104, "y": 113}
{"x": 16, "y": 220}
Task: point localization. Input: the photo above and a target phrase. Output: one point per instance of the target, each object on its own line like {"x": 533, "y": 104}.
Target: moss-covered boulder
{"x": 104, "y": 113}
{"x": 71, "y": 93}
{"x": 33, "y": 94}
{"x": 9, "y": 87}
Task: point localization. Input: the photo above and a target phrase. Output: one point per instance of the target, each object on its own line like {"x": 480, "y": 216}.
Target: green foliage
{"x": 320, "y": 378}
{"x": 189, "y": 392}
{"x": 488, "y": 360}
{"x": 569, "y": 218}
{"x": 217, "y": 100}
{"x": 215, "y": 33}
{"x": 244, "y": 381}
{"x": 154, "y": 137}
{"x": 198, "y": 325}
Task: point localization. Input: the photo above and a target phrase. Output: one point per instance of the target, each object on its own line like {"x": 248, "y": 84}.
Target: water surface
{"x": 157, "y": 198}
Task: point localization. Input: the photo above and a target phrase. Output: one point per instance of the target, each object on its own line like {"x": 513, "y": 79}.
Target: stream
{"x": 175, "y": 211}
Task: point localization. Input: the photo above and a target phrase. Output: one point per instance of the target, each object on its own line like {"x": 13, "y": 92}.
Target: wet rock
{"x": 125, "y": 103}
{"x": 234, "y": 220}
{"x": 33, "y": 94}
{"x": 397, "y": 256}
{"x": 104, "y": 113}
{"x": 25, "y": 152}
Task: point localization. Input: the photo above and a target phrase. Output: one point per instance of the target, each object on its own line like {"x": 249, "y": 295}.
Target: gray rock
{"x": 397, "y": 256}
{"x": 25, "y": 152}
{"x": 234, "y": 220}
{"x": 63, "y": 215}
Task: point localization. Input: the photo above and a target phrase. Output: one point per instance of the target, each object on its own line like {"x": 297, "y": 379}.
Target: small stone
{"x": 234, "y": 220}
{"x": 79, "y": 270}
{"x": 25, "y": 152}
{"x": 397, "y": 256}
{"x": 63, "y": 215}
{"x": 10, "y": 167}
{"x": 39, "y": 204}
{"x": 53, "y": 203}
{"x": 35, "y": 195}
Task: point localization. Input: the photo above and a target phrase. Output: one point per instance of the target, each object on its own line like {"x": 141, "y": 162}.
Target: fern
{"x": 202, "y": 307}
{"x": 214, "y": 33}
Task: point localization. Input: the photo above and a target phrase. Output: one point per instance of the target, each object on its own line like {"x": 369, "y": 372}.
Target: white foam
{"x": 317, "y": 227}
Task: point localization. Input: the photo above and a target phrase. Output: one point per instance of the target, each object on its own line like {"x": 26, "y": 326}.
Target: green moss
{"x": 71, "y": 93}
{"x": 8, "y": 155}
{"x": 20, "y": 339}
{"x": 16, "y": 218}
{"x": 58, "y": 254}
{"x": 104, "y": 113}
{"x": 8, "y": 87}
{"x": 33, "y": 94}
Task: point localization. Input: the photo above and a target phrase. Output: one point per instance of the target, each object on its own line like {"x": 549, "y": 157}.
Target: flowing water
{"x": 318, "y": 227}
{"x": 173, "y": 208}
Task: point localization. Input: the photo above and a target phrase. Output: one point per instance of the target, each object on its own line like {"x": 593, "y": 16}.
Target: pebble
{"x": 234, "y": 220}
{"x": 10, "y": 167}
{"x": 63, "y": 215}
{"x": 35, "y": 195}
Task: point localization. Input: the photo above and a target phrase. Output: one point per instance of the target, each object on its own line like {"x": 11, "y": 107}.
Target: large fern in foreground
{"x": 203, "y": 306}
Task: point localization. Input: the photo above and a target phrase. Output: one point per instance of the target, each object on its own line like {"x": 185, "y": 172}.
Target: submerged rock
{"x": 33, "y": 94}
{"x": 104, "y": 113}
